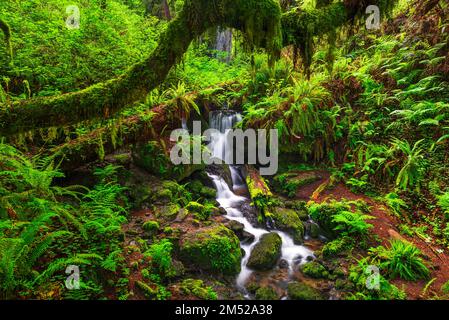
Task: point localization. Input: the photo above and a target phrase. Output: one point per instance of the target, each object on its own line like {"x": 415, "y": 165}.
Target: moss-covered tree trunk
{"x": 260, "y": 21}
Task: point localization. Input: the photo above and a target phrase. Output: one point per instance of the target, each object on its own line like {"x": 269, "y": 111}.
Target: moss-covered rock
{"x": 200, "y": 211}
{"x": 315, "y": 270}
{"x": 168, "y": 212}
{"x": 199, "y": 190}
{"x": 266, "y": 293}
{"x": 213, "y": 248}
{"x": 288, "y": 221}
{"x": 300, "y": 208}
{"x": 196, "y": 288}
{"x": 301, "y": 291}
{"x": 266, "y": 252}
{"x": 151, "y": 227}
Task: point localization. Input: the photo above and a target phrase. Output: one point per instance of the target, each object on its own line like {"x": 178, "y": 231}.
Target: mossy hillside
{"x": 266, "y": 252}
{"x": 214, "y": 248}
{"x": 288, "y": 220}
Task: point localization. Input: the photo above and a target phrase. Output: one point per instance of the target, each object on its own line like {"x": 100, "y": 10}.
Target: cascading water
{"x": 291, "y": 253}
{"x": 223, "y": 42}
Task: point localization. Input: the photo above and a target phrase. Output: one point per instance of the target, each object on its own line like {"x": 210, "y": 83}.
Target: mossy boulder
{"x": 151, "y": 227}
{"x": 201, "y": 212}
{"x": 314, "y": 270}
{"x": 300, "y": 208}
{"x": 266, "y": 293}
{"x": 301, "y": 291}
{"x": 214, "y": 248}
{"x": 288, "y": 220}
{"x": 266, "y": 252}
{"x": 168, "y": 212}
{"x": 199, "y": 190}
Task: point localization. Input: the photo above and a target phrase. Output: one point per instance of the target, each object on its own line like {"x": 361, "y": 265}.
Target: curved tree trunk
{"x": 259, "y": 20}
{"x": 104, "y": 99}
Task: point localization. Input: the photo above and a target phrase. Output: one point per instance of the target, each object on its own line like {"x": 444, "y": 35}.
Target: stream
{"x": 293, "y": 254}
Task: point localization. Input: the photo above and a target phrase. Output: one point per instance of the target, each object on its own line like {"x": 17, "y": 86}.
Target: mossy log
{"x": 260, "y": 21}
{"x": 131, "y": 130}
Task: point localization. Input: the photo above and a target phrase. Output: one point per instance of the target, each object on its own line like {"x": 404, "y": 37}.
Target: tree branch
{"x": 259, "y": 19}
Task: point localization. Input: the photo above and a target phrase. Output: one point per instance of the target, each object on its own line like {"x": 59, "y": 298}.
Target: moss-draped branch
{"x": 260, "y": 21}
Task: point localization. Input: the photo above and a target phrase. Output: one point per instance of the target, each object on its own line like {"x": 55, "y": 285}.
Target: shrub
{"x": 402, "y": 260}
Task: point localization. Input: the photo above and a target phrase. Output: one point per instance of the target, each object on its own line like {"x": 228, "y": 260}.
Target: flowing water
{"x": 293, "y": 254}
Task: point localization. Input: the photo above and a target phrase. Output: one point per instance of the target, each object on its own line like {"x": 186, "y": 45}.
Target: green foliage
{"x": 401, "y": 259}
{"x": 344, "y": 218}
{"x": 198, "y": 289}
{"x": 352, "y": 223}
{"x": 359, "y": 274}
{"x": 396, "y": 204}
{"x": 443, "y": 202}
{"x": 160, "y": 254}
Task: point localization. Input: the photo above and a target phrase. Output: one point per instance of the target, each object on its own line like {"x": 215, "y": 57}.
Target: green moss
{"x": 337, "y": 247}
{"x": 266, "y": 252}
{"x": 289, "y": 221}
{"x": 266, "y": 293}
{"x": 154, "y": 292}
{"x": 151, "y": 226}
{"x": 301, "y": 291}
{"x": 198, "y": 289}
{"x": 259, "y": 21}
{"x": 198, "y": 210}
{"x": 214, "y": 248}
{"x": 289, "y": 183}
{"x": 168, "y": 212}
{"x": 315, "y": 270}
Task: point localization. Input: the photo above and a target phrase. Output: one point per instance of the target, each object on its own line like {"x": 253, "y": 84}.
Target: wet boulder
{"x": 215, "y": 248}
{"x": 239, "y": 230}
{"x": 266, "y": 252}
{"x": 287, "y": 220}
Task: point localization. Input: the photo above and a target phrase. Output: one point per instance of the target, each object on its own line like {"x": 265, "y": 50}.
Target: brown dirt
{"x": 386, "y": 228}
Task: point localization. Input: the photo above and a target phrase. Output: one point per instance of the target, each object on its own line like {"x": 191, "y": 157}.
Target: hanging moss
{"x": 259, "y": 20}
{"x": 301, "y": 26}
{"x": 7, "y": 32}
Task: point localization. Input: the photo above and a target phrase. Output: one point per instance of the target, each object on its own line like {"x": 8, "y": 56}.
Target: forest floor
{"x": 386, "y": 228}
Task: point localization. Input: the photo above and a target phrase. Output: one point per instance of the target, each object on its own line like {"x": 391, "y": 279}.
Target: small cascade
{"x": 293, "y": 254}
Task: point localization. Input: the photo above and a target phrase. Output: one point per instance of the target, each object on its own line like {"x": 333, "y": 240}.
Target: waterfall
{"x": 293, "y": 254}
{"x": 223, "y": 42}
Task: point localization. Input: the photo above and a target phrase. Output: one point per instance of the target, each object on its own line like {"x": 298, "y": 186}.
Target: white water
{"x": 292, "y": 253}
